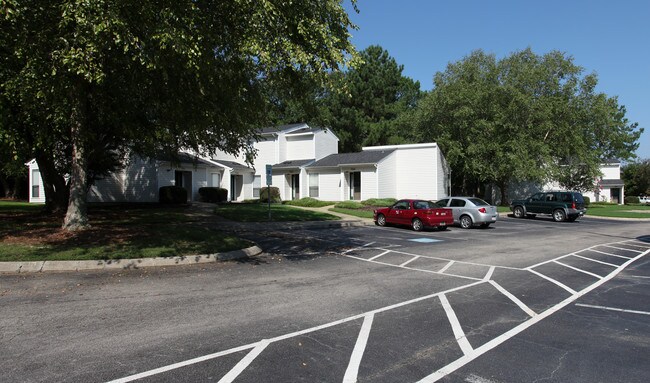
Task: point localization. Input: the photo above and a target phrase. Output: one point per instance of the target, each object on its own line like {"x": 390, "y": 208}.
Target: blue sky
{"x": 609, "y": 38}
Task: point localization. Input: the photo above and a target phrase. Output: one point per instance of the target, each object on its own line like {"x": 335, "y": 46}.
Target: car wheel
{"x": 485, "y": 225}
{"x": 518, "y": 212}
{"x": 381, "y": 220}
{"x": 465, "y": 222}
{"x": 417, "y": 224}
{"x": 559, "y": 215}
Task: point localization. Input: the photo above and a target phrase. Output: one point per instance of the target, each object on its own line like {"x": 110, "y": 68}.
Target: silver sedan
{"x": 470, "y": 211}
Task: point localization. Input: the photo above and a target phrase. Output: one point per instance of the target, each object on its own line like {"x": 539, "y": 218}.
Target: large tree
{"x": 526, "y": 117}
{"x": 366, "y": 106}
{"x": 85, "y": 82}
{"x": 636, "y": 176}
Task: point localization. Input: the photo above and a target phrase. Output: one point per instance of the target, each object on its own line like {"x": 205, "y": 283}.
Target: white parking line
{"x": 562, "y": 285}
{"x": 378, "y": 255}
{"x": 462, "y": 361}
{"x": 488, "y": 275}
{"x": 578, "y": 270}
{"x": 459, "y": 334}
{"x": 614, "y": 309}
{"x": 624, "y": 249}
{"x": 241, "y": 366}
{"x": 610, "y": 254}
{"x": 447, "y": 266}
{"x": 513, "y": 298}
{"x": 595, "y": 260}
{"x": 637, "y": 244}
{"x": 352, "y": 371}
{"x": 287, "y": 336}
{"x": 409, "y": 261}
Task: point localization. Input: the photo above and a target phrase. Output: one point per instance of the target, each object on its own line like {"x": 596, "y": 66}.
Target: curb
{"x": 115, "y": 264}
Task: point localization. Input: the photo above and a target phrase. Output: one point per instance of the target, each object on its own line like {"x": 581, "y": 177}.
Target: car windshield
{"x": 478, "y": 202}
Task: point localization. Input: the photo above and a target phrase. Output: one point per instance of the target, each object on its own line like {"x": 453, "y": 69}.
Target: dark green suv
{"x": 561, "y": 205}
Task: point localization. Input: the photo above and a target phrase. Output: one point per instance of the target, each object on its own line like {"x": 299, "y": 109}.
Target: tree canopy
{"x": 84, "y": 82}
{"x": 369, "y": 100}
{"x": 526, "y": 117}
{"x": 636, "y": 176}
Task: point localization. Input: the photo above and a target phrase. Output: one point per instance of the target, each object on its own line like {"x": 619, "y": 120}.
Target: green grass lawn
{"x": 117, "y": 232}
{"x": 606, "y": 210}
{"x": 618, "y": 211}
{"x": 259, "y": 212}
{"x": 354, "y": 212}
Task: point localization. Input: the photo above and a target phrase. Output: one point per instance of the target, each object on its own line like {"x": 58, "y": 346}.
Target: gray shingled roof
{"x": 277, "y": 129}
{"x": 365, "y": 157}
{"x": 292, "y": 164}
{"x": 184, "y": 158}
{"x": 232, "y": 164}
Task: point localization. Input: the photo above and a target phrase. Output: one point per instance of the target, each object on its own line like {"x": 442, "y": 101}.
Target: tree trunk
{"x": 54, "y": 186}
{"x": 76, "y": 217}
{"x": 503, "y": 188}
{"x": 6, "y": 190}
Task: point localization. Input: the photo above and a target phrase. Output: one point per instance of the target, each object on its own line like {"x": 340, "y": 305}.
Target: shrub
{"x": 631, "y": 199}
{"x": 275, "y": 194}
{"x": 213, "y": 194}
{"x": 587, "y": 201}
{"x": 349, "y": 205}
{"x": 382, "y": 202}
{"x": 308, "y": 202}
{"x": 172, "y": 195}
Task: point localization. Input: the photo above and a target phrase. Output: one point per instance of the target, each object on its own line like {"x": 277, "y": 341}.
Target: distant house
{"x": 610, "y": 187}
{"x": 305, "y": 162}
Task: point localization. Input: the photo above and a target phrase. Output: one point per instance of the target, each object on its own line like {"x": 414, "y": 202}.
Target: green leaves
{"x": 525, "y": 117}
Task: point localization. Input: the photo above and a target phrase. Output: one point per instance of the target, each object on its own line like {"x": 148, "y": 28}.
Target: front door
{"x": 295, "y": 186}
{"x": 355, "y": 186}
{"x": 184, "y": 179}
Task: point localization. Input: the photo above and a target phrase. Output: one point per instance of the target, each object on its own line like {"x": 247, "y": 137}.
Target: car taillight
{"x": 573, "y": 205}
{"x": 481, "y": 209}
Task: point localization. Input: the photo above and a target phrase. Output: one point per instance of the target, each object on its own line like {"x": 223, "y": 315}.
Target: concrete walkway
{"x": 198, "y": 209}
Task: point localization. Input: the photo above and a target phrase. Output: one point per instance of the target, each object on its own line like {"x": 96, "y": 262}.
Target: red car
{"x": 415, "y": 213}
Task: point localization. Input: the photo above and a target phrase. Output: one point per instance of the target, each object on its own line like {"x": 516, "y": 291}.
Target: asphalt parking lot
{"x": 525, "y": 300}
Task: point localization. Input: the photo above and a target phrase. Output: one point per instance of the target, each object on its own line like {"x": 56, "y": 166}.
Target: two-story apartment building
{"x": 305, "y": 162}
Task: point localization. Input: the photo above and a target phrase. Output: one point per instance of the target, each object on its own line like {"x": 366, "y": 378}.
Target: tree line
{"x": 85, "y": 84}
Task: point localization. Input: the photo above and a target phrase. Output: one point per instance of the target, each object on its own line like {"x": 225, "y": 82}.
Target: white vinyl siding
{"x": 329, "y": 185}
{"x": 137, "y": 182}
{"x": 300, "y": 147}
{"x": 416, "y": 173}
{"x": 386, "y": 173}
{"x": 325, "y": 143}
{"x": 368, "y": 183}
{"x": 266, "y": 155}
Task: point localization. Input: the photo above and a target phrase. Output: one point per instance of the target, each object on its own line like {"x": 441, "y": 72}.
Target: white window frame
{"x": 257, "y": 186}
{"x": 314, "y": 182}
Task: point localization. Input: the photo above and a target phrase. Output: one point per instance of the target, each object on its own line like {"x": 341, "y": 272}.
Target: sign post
{"x": 269, "y": 181}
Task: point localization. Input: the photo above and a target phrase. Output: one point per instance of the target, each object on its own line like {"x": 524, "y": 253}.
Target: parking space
{"x": 370, "y": 304}
{"x": 433, "y": 337}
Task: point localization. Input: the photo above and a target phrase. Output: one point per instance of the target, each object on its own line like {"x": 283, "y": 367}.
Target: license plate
{"x": 443, "y": 223}
{"x": 494, "y": 218}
